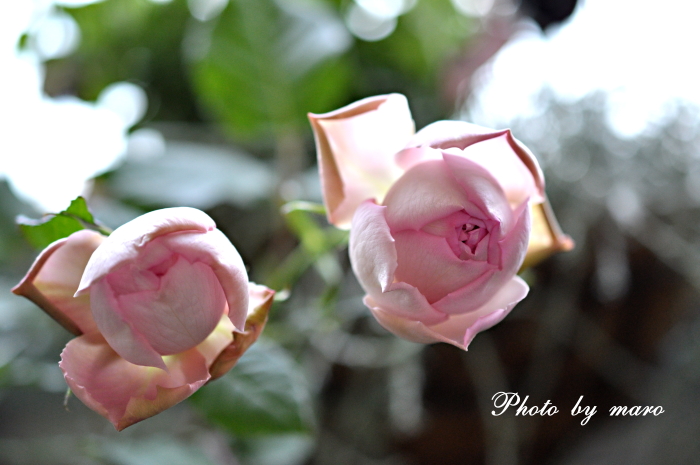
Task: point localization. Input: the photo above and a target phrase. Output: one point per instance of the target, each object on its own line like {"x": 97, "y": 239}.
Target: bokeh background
{"x": 142, "y": 104}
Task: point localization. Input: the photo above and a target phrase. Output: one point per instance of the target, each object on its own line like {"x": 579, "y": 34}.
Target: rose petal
{"x": 546, "y": 237}
{"x": 407, "y": 158}
{"x": 54, "y": 277}
{"x": 121, "y": 334}
{"x": 213, "y": 346}
{"x": 125, "y": 393}
{"x": 475, "y": 294}
{"x": 460, "y": 134}
{"x": 356, "y": 146}
{"x": 426, "y": 193}
{"x": 426, "y": 262}
{"x": 448, "y": 134}
{"x": 125, "y": 243}
{"x": 497, "y": 156}
{"x": 215, "y": 250}
{"x": 178, "y": 315}
{"x": 481, "y": 188}
{"x": 260, "y": 302}
{"x": 374, "y": 260}
{"x": 458, "y": 330}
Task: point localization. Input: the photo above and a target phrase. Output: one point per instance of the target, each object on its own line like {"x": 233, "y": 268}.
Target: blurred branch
{"x": 487, "y": 371}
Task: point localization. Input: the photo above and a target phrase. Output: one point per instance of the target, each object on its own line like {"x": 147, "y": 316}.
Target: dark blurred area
{"x": 548, "y": 13}
{"x": 617, "y": 320}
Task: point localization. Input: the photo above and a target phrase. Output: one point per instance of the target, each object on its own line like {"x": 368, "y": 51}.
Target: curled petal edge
{"x": 458, "y": 330}
{"x": 215, "y": 250}
{"x": 460, "y": 134}
{"x": 125, "y": 393}
{"x": 341, "y": 196}
{"x": 374, "y": 261}
{"x": 259, "y": 303}
{"x": 546, "y": 237}
{"x": 72, "y": 313}
{"x": 125, "y": 243}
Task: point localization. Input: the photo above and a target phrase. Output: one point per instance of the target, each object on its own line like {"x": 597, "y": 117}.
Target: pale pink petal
{"x": 215, "y": 250}
{"x": 403, "y": 327}
{"x": 475, "y": 294}
{"x": 125, "y": 243}
{"x": 374, "y": 261}
{"x": 180, "y": 314}
{"x": 460, "y": 134}
{"x": 122, "y": 336}
{"x": 54, "y": 277}
{"x": 532, "y": 164}
{"x": 409, "y": 157}
{"x": 259, "y": 297}
{"x": 481, "y": 188}
{"x": 123, "y": 392}
{"x": 356, "y": 146}
{"x": 450, "y": 133}
{"x": 458, "y": 330}
{"x": 497, "y": 156}
{"x": 461, "y": 329}
{"x": 424, "y": 194}
{"x": 427, "y": 263}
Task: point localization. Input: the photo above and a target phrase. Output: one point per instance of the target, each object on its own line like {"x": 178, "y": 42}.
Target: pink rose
{"x": 441, "y": 220}
{"x": 160, "y": 307}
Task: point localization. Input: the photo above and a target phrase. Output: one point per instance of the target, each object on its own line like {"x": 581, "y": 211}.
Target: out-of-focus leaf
{"x": 153, "y": 451}
{"x": 129, "y": 40}
{"x": 40, "y": 233}
{"x": 303, "y": 205}
{"x": 264, "y": 393}
{"x": 80, "y": 448}
{"x": 195, "y": 175}
{"x": 316, "y": 246}
{"x": 269, "y": 62}
{"x": 14, "y": 251}
{"x": 287, "y": 449}
{"x": 305, "y": 227}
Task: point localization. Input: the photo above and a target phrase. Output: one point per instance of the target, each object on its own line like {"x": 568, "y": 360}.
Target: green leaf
{"x": 264, "y": 393}
{"x": 40, "y": 233}
{"x": 303, "y": 205}
{"x": 78, "y": 209}
{"x": 316, "y": 246}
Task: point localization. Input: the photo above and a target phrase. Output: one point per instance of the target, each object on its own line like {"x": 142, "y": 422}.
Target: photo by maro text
{"x": 504, "y": 400}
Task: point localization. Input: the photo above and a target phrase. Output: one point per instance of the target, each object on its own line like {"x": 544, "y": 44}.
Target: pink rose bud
{"x": 441, "y": 226}
{"x": 160, "y": 307}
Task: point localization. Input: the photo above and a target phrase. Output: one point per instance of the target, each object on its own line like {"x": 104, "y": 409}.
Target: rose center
{"x": 471, "y": 233}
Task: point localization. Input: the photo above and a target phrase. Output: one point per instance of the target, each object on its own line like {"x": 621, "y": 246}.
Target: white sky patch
{"x": 642, "y": 52}
{"x": 50, "y": 148}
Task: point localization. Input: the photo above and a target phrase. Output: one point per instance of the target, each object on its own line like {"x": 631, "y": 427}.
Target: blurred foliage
{"x": 267, "y": 64}
{"x": 317, "y": 245}
{"x": 261, "y": 65}
{"x": 194, "y": 174}
{"x": 14, "y": 249}
{"x": 129, "y": 40}
{"x": 263, "y": 394}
